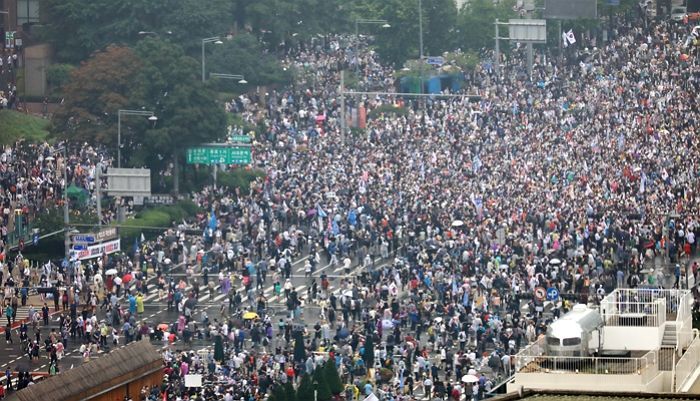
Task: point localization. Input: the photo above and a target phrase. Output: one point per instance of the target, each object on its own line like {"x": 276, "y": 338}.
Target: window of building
{"x": 27, "y": 11}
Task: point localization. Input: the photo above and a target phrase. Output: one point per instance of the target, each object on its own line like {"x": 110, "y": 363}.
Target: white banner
{"x": 95, "y": 251}
{"x": 193, "y": 380}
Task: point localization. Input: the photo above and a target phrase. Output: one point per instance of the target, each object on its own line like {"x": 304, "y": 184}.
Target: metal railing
{"x": 533, "y": 350}
{"x": 645, "y": 365}
{"x": 643, "y": 314}
{"x": 684, "y": 321}
{"x": 687, "y": 364}
{"x": 647, "y": 295}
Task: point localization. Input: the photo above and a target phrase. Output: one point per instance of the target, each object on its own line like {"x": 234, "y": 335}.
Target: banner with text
{"x": 95, "y": 251}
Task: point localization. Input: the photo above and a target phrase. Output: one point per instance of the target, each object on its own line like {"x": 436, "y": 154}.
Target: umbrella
{"x": 555, "y": 261}
{"x": 111, "y": 272}
{"x": 387, "y": 324}
{"x": 457, "y": 223}
{"x": 438, "y": 319}
{"x": 250, "y": 315}
{"x": 347, "y": 293}
{"x": 343, "y": 333}
{"x": 127, "y": 277}
{"x": 469, "y": 379}
{"x": 163, "y": 326}
{"x": 117, "y": 281}
{"x": 50, "y": 158}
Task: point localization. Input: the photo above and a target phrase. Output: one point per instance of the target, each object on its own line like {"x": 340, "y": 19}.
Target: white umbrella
{"x": 438, "y": 319}
{"x": 387, "y": 324}
{"x": 347, "y": 293}
{"x": 555, "y": 261}
{"x": 117, "y": 281}
{"x": 457, "y": 223}
{"x": 111, "y": 272}
{"x": 469, "y": 379}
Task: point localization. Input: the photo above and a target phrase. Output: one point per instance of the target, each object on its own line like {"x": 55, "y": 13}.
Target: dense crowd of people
{"x": 581, "y": 178}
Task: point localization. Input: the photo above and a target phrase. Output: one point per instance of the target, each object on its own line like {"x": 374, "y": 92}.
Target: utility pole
{"x": 66, "y": 219}
{"x": 420, "y": 40}
{"x": 497, "y": 61}
{"x": 98, "y": 184}
{"x": 342, "y": 104}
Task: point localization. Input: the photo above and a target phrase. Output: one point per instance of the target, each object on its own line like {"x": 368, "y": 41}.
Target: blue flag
{"x": 212, "y": 220}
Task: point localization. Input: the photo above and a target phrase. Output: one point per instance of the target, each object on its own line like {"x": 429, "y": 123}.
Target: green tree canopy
{"x": 155, "y": 76}
{"x": 289, "y": 391}
{"x": 299, "y": 347}
{"x": 244, "y": 54}
{"x": 323, "y": 390}
{"x": 101, "y": 86}
{"x": 368, "y": 355}
{"x": 305, "y": 391}
{"x": 330, "y": 372}
{"x": 278, "y": 393}
{"x": 76, "y": 28}
{"x": 475, "y": 22}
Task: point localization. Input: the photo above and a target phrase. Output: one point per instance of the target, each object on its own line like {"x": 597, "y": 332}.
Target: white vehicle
{"x": 577, "y": 333}
{"x": 678, "y": 13}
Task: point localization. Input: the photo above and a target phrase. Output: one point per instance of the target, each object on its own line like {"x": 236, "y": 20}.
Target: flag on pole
{"x": 570, "y": 37}
{"x": 564, "y": 39}
{"x": 212, "y": 220}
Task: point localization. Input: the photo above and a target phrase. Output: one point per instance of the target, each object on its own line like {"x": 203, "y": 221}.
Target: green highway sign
{"x": 219, "y": 155}
{"x": 240, "y": 138}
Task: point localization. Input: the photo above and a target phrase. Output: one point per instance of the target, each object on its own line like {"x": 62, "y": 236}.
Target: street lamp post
{"x": 151, "y": 117}
{"x": 241, "y": 80}
{"x": 420, "y": 40}
{"x": 217, "y": 41}
{"x": 383, "y": 22}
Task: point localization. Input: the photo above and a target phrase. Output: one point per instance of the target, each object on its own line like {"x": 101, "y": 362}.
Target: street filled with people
{"x": 437, "y": 223}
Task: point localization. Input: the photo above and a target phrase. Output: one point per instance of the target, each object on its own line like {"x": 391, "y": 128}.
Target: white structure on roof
{"x": 639, "y": 340}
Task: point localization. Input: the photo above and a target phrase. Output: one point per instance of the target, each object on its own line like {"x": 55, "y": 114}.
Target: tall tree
{"x": 439, "y": 24}
{"x": 475, "y": 22}
{"x": 188, "y": 113}
{"x": 299, "y": 347}
{"x": 289, "y": 392}
{"x": 368, "y": 355}
{"x": 330, "y": 372}
{"x": 76, "y": 28}
{"x": 305, "y": 391}
{"x": 243, "y": 54}
{"x": 278, "y": 393}
{"x": 101, "y": 86}
{"x": 323, "y": 391}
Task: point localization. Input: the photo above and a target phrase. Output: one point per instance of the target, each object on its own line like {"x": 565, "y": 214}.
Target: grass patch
{"x": 160, "y": 216}
{"x": 16, "y": 125}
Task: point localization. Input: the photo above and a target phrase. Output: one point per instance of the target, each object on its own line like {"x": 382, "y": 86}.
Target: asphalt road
{"x": 155, "y": 312}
